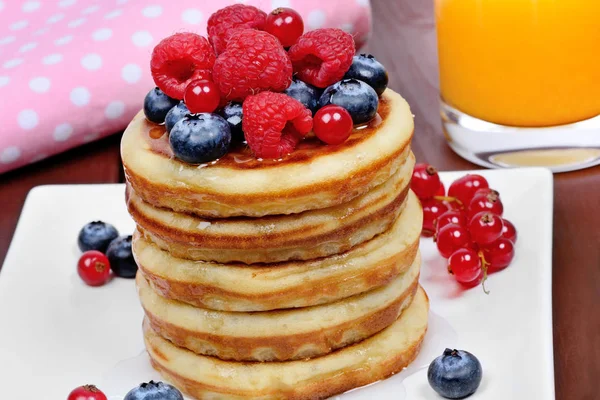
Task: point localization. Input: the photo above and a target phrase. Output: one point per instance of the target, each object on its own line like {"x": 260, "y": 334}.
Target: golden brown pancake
{"x": 239, "y": 287}
{"x": 314, "y": 176}
{"x": 373, "y": 359}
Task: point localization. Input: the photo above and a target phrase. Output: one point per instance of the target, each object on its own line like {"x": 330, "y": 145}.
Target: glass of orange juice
{"x": 520, "y": 81}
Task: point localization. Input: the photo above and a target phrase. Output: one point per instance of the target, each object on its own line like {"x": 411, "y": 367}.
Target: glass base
{"x": 560, "y": 148}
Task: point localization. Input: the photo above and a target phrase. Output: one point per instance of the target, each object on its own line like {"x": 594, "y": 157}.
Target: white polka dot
{"x": 91, "y": 137}
{"x": 4, "y": 80}
{"x": 28, "y": 119}
{"x": 55, "y": 18}
{"x": 63, "y": 132}
{"x": 113, "y": 14}
{"x": 142, "y": 38}
{"x": 131, "y": 73}
{"x": 1, "y": 5}
{"x": 316, "y": 19}
{"x": 280, "y": 3}
{"x": 102, "y": 34}
{"x": 28, "y": 47}
{"x": 191, "y": 16}
{"x": 152, "y": 11}
{"x": 348, "y": 27}
{"x": 52, "y": 59}
{"x": 31, "y": 6}
{"x": 90, "y": 10}
{"x": 114, "y": 109}
{"x": 66, "y": 3}
{"x": 17, "y": 26}
{"x": 39, "y": 157}
{"x": 13, "y": 63}
{"x": 91, "y": 62}
{"x": 10, "y": 155}
{"x": 39, "y": 84}
{"x": 80, "y": 96}
{"x": 63, "y": 40}
{"x": 122, "y": 1}
{"x": 41, "y": 31}
{"x": 7, "y": 40}
{"x": 362, "y": 3}
{"x": 76, "y": 22}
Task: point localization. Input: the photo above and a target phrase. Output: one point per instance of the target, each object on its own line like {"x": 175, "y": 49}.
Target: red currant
{"x": 489, "y": 202}
{"x": 486, "y": 191}
{"x": 451, "y": 238}
{"x": 201, "y": 96}
{"x": 456, "y": 217}
{"x": 432, "y": 209}
{"x": 285, "y": 24}
{"x": 499, "y": 254}
{"x": 485, "y": 227}
{"x": 332, "y": 124}
{"x": 465, "y": 264}
{"x": 86, "y": 392}
{"x": 464, "y": 188}
{"x": 509, "y": 231}
{"x": 441, "y": 190}
{"x": 425, "y": 181}
{"x": 93, "y": 268}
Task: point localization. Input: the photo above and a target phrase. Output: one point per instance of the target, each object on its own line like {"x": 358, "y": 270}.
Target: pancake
{"x": 314, "y": 176}
{"x": 239, "y": 287}
{"x": 373, "y": 359}
{"x": 308, "y": 235}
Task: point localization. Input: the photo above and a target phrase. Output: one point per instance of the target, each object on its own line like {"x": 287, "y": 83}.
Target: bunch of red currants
{"x": 466, "y": 224}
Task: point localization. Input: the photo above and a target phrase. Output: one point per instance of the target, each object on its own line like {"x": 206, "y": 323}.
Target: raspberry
{"x": 179, "y": 59}
{"x": 322, "y": 57}
{"x": 274, "y": 123}
{"x": 254, "y": 61}
{"x": 223, "y": 23}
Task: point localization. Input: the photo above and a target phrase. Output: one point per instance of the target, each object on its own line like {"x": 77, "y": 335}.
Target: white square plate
{"x": 56, "y": 333}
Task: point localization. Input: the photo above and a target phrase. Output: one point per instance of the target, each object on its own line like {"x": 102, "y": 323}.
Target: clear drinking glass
{"x": 520, "y": 81}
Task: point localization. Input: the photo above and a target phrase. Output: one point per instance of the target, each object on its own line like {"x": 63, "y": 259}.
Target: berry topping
{"x": 367, "y": 69}
{"x": 332, "y": 124}
{"x": 465, "y": 265}
{"x": 285, "y": 24}
{"x": 223, "y": 23}
{"x": 254, "y": 61}
{"x": 305, "y": 94}
{"x": 486, "y": 202}
{"x": 451, "y": 238}
{"x": 232, "y": 112}
{"x": 509, "y": 231}
{"x": 499, "y": 254}
{"x": 455, "y": 374}
{"x": 96, "y": 235}
{"x": 451, "y": 217}
{"x": 176, "y": 114}
{"x": 464, "y": 188}
{"x": 433, "y": 209}
{"x": 441, "y": 190}
{"x": 157, "y": 105}
{"x": 200, "y": 138}
{"x": 425, "y": 181}
{"x": 202, "y": 96}
{"x": 357, "y": 97}
{"x": 86, "y": 392}
{"x": 154, "y": 391}
{"x": 93, "y": 268}
{"x": 180, "y": 59}
{"x": 120, "y": 257}
{"x": 485, "y": 227}
{"x": 322, "y": 57}
{"x": 274, "y": 123}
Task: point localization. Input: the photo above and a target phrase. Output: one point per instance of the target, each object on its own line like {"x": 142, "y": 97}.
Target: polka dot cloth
{"x": 74, "y": 71}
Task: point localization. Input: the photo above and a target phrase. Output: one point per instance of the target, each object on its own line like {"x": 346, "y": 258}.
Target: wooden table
{"x": 404, "y": 40}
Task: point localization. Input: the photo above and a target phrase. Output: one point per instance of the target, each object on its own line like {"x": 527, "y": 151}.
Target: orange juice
{"x": 520, "y": 62}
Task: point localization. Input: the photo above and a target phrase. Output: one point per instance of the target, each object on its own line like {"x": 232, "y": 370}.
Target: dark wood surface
{"x": 404, "y": 40}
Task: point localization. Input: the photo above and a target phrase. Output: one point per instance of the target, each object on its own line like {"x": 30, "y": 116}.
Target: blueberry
{"x": 232, "y": 113}
{"x": 367, "y": 69}
{"x": 176, "y": 114}
{"x": 157, "y": 105}
{"x": 305, "y": 94}
{"x": 357, "y": 97}
{"x": 154, "y": 391}
{"x": 120, "y": 257}
{"x": 455, "y": 374}
{"x": 199, "y": 138}
{"x": 96, "y": 235}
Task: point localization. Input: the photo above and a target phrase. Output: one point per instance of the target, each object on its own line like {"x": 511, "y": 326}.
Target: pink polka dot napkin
{"x": 73, "y": 71}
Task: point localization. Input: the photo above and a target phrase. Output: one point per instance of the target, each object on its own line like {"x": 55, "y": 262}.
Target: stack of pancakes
{"x": 278, "y": 279}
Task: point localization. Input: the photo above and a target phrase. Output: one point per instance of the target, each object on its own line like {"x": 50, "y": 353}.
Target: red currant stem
{"x": 484, "y": 267}
{"x": 448, "y": 198}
